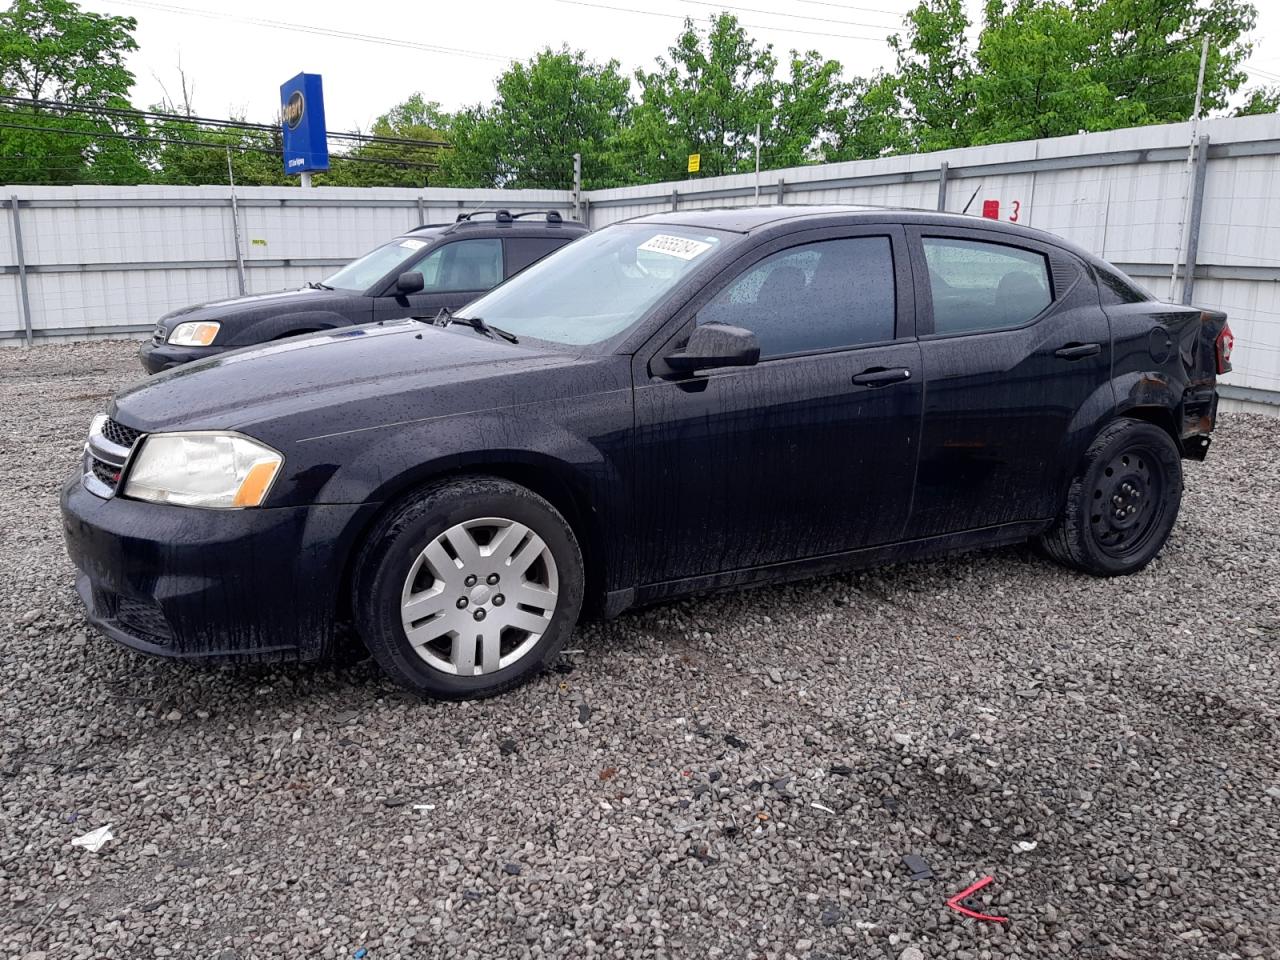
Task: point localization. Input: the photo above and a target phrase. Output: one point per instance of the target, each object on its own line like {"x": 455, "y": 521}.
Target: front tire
{"x": 468, "y": 588}
{"x": 1122, "y": 503}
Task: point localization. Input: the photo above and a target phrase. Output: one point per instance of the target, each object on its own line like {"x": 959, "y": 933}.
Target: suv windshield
{"x": 373, "y": 266}
{"x": 599, "y": 285}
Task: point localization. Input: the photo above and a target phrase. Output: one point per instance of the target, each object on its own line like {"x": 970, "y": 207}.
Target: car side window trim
{"x": 683, "y": 321}
{"x": 916, "y": 235}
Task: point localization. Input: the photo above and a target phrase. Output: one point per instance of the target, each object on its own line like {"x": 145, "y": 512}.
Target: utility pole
{"x": 577, "y": 186}
{"x": 757, "y": 163}
{"x": 235, "y": 225}
{"x": 1184, "y": 227}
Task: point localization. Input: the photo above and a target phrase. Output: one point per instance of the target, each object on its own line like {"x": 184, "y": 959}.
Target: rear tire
{"x": 468, "y": 588}
{"x": 1122, "y": 503}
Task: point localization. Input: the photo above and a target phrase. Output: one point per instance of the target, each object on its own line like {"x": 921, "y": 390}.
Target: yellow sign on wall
{"x": 695, "y": 162}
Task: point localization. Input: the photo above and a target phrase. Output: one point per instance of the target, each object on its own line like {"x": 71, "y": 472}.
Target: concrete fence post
{"x": 22, "y": 266}
{"x": 942, "y": 185}
{"x": 675, "y": 200}
{"x": 782, "y": 191}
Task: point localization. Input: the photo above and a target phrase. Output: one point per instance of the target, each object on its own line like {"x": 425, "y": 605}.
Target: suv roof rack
{"x": 551, "y": 215}
{"x": 502, "y": 216}
{"x": 506, "y": 216}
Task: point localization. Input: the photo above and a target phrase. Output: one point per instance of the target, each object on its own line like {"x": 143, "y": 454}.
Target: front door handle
{"x": 1078, "y": 351}
{"x": 881, "y": 377}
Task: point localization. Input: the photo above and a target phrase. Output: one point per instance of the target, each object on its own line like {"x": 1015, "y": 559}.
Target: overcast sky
{"x": 236, "y": 60}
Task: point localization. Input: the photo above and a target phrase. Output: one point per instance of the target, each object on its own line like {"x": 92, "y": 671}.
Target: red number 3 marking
{"x": 1013, "y": 217}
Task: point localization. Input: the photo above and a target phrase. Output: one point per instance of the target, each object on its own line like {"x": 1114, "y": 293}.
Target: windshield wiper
{"x": 317, "y": 285}
{"x": 444, "y": 318}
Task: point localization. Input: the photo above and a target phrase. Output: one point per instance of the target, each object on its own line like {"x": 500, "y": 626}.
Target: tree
{"x": 810, "y": 119}
{"x": 51, "y": 50}
{"x": 933, "y": 84}
{"x": 1260, "y": 100}
{"x": 195, "y": 154}
{"x": 1147, "y": 53}
{"x": 706, "y": 99}
{"x": 546, "y": 110}
{"x": 404, "y": 165}
{"x": 1035, "y": 76}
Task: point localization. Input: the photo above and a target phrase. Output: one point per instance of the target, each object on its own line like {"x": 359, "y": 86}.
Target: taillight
{"x": 1223, "y": 346}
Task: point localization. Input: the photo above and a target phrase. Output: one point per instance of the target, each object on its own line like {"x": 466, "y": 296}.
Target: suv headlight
{"x": 221, "y": 470}
{"x": 194, "y": 333}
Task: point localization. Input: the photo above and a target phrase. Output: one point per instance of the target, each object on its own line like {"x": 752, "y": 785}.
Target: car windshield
{"x": 373, "y": 266}
{"x": 599, "y": 285}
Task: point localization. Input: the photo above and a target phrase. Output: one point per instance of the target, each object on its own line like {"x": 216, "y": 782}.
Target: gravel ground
{"x": 732, "y": 776}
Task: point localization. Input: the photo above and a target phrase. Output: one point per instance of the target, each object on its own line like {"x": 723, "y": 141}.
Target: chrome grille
{"x": 119, "y": 434}
{"x": 106, "y": 454}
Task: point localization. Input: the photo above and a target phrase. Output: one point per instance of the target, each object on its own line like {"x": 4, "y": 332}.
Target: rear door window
{"x": 522, "y": 251}
{"x": 984, "y": 286}
{"x": 818, "y": 296}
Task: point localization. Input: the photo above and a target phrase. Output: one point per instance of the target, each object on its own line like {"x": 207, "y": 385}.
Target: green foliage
{"x": 199, "y": 154}
{"x": 52, "y": 50}
{"x": 705, "y": 99}
{"x": 546, "y": 110}
{"x": 1038, "y": 68}
{"x": 933, "y": 84}
{"x": 1261, "y": 100}
{"x": 403, "y": 166}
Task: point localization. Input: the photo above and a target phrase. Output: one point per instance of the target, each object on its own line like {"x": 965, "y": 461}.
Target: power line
{"x": 64, "y": 107}
{"x": 752, "y": 26}
{"x": 789, "y": 16}
{"x": 152, "y": 138}
{"x": 319, "y": 31}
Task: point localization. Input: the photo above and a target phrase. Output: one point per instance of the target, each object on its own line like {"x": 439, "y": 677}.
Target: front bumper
{"x": 172, "y": 581}
{"x": 156, "y": 357}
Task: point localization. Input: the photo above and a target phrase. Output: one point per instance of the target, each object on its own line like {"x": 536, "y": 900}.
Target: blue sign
{"x": 306, "y": 145}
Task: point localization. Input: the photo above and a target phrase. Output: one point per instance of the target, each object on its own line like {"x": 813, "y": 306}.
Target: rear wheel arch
{"x": 1159, "y": 416}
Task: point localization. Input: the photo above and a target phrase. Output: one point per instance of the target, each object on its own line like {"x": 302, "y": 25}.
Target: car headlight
{"x": 221, "y": 470}
{"x": 194, "y": 333}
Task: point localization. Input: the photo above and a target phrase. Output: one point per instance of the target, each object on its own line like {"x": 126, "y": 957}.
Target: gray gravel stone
{"x": 1141, "y": 764}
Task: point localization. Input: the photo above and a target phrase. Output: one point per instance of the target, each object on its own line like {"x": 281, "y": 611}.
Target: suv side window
{"x": 461, "y": 265}
{"x": 818, "y": 296}
{"x": 522, "y": 251}
{"x": 984, "y": 286}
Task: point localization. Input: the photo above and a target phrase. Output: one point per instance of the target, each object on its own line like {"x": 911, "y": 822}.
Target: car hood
{"x": 256, "y": 306}
{"x": 365, "y": 373}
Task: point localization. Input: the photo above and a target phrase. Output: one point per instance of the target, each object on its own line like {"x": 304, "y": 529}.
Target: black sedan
{"x": 675, "y": 403}
{"x": 440, "y": 266}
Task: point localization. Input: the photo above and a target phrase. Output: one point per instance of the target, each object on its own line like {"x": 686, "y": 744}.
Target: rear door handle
{"x": 881, "y": 377}
{"x": 1078, "y": 351}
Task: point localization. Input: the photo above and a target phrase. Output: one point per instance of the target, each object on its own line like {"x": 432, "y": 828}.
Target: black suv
{"x": 434, "y": 267}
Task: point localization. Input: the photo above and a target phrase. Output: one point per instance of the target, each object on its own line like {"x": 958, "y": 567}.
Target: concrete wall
{"x": 110, "y": 260}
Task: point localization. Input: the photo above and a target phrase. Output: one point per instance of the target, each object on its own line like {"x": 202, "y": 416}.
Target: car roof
{"x": 750, "y": 219}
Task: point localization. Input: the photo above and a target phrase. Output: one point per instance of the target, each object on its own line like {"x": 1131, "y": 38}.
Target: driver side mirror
{"x": 715, "y": 345}
{"x": 410, "y": 282}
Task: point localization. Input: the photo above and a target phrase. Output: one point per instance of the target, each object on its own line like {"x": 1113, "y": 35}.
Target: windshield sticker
{"x": 413, "y": 244}
{"x": 675, "y": 246}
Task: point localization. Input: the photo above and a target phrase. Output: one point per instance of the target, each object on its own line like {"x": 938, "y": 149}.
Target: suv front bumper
{"x": 157, "y": 357}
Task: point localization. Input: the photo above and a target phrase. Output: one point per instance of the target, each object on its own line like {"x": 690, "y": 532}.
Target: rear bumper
{"x": 210, "y": 584}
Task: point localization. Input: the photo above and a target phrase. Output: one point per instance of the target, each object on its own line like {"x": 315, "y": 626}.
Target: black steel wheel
{"x": 1122, "y": 502}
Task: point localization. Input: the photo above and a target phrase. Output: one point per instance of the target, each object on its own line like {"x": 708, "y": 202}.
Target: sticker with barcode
{"x": 675, "y": 246}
